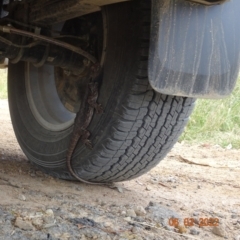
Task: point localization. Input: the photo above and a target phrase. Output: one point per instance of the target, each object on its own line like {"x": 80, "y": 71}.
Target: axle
{"x": 43, "y": 50}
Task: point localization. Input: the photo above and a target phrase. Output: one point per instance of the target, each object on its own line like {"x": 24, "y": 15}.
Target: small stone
{"x": 234, "y": 216}
{"x": 196, "y": 221}
{"x": 194, "y": 231}
{"x": 140, "y": 211}
{"x": 183, "y": 208}
{"x": 37, "y": 222}
{"x": 219, "y": 231}
{"x": 120, "y": 189}
{"x": 169, "y": 228}
{"x": 151, "y": 204}
{"x": 171, "y": 179}
{"x": 195, "y": 214}
{"x": 131, "y": 213}
{"x": 181, "y": 229}
{"x": 220, "y": 215}
{"x": 48, "y": 218}
{"x": 65, "y": 236}
{"x": 127, "y": 219}
{"x": 49, "y": 225}
{"x": 49, "y": 212}
{"x": 148, "y": 188}
{"x": 79, "y": 189}
{"x": 135, "y": 230}
{"x": 123, "y": 213}
{"x": 21, "y": 197}
{"x": 24, "y": 225}
{"x": 107, "y": 224}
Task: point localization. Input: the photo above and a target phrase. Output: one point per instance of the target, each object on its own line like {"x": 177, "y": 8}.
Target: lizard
{"x": 82, "y": 121}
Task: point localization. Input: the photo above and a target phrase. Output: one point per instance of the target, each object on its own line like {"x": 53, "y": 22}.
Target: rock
{"x": 130, "y": 213}
{"x": 220, "y": 215}
{"x": 148, "y": 188}
{"x": 108, "y": 224}
{"x": 49, "y": 225}
{"x": 181, "y": 229}
{"x": 169, "y": 228}
{"x": 123, "y": 213}
{"x": 24, "y": 225}
{"x": 127, "y": 219}
{"x": 195, "y": 214}
{"x": 219, "y": 231}
{"x": 79, "y": 189}
{"x": 49, "y": 212}
{"x": 171, "y": 179}
{"x": 140, "y": 211}
{"x": 194, "y": 231}
{"x": 48, "y": 217}
{"x": 234, "y": 216}
{"x": 65, "y": 236}
{"x": 21, "y": 197}
{"x": 103, "y": 203}
{"x": 183, "y": 208}
{"x": 37, "y": 222}
{"x": 135, "y": 230}
{"x": 196, "y": 220}
{"x": 162, "y": 214}
{"x": 151, "y": 204}
{"x": 120, "y": 189}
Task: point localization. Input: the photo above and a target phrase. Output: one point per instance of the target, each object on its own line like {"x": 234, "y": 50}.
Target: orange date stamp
{"x": 189, "y": 222}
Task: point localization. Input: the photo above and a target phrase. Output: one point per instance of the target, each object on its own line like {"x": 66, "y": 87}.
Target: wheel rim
{"x": 44, "y": 101}
{"x": 51, "y": 105}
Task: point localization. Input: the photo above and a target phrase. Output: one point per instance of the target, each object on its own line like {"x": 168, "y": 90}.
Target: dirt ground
{"x": 200, "y": 181}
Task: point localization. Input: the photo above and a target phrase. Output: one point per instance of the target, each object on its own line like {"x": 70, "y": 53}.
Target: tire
{"x": 138, "y": 127}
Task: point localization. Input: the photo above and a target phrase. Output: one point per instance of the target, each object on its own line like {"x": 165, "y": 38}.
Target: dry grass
{"x": 3, "y": 83}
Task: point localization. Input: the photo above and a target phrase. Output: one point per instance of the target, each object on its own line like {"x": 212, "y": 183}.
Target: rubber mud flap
{"x": 194, "y": 49}
{"x": 209, "y": 2}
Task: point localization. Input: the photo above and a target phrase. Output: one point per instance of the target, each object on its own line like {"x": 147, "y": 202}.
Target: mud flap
{"x": 195, "y": 49}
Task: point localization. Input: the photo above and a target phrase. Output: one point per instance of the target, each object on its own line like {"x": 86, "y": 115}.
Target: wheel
{"x": 138, "y": 126}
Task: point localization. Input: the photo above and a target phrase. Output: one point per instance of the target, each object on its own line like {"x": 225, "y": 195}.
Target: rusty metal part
{"x": 7, "y": 29}
{"x": 68, "y": 85}
{"x": 82, "y": 121}
{"x": 209, "y": 2}
{"x": 55, "y": 11}
{"x": 40, "y": 54}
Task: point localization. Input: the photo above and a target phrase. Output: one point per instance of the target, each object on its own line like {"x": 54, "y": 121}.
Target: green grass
{"x": 216, "y": 121}
{"x": 3, "y": 83}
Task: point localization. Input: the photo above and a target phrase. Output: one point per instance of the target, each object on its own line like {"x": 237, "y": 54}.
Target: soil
{"x": 193, "y": 182}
